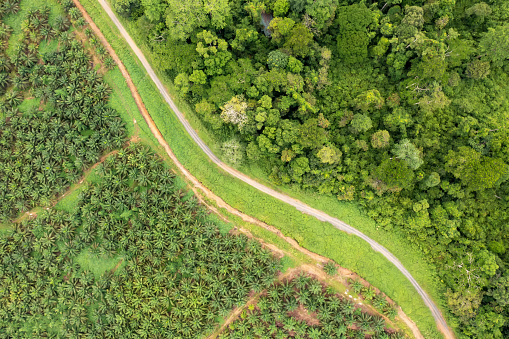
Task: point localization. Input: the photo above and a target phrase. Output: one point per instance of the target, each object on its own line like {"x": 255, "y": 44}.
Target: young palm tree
{"x": 10, "y": 6}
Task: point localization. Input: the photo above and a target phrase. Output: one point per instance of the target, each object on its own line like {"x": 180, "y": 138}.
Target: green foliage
{"x": 299, "y": 41}
{"x": 280, "y": 28}
{"x": 406, "y": 151}
{"x": 277, "y": 59}
{"x": 154, "y": 9}
{"x": 213, "y": 51}
{"x": 126, "y": 8}
{"x": 475, "y": 171}
{"x": 294, "y": 65}
{"x": 495, "y": 43}
{"x": 354, "y": 22}
{"x": 329, "y": 155}
{"x": 281, "y": 7}
{"x": 321, "y": 13}
{"x": 301, "y": 308}
{"x": 330, "y": 268}
{"x": 233, "y": 152}
{"x": 432, "y": 180}
{"x": 311, "y": 134}
{"x": 392, "y": 175}
{"x": 368, "y": 100}
{"x": 360, "y": 123}
{"x": 412, "y": 22}
{"x": 184, "y": 17}
{"x": 380, "y": 139}
{"x": 500, "y": 291}
{"x": 478, "y": 69}
{"x": 174, "y": 257}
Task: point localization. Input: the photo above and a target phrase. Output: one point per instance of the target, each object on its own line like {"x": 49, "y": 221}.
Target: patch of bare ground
{"x": 253, "y": 299}
{"x": 302, "y": 314}
{"x": 117, "y": 266}
{"x": 234, "y": 315}
{"x": 96, "y": 61}
{"x": 198, "y": 188}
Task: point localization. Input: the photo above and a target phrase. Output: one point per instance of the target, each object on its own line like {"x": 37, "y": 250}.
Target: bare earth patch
{"x": 302, "y": 314}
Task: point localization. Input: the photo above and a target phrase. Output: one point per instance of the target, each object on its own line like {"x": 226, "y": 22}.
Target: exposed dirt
{"x": 410, "y": 324}
{"x": 117, "y": 266}
{"x": 197, "y": 187}
{"x": 234, "y": 315}
{"x": 95, "y": 58}
{"x": 290, "y": 274}
{"x": 301, "y": 313}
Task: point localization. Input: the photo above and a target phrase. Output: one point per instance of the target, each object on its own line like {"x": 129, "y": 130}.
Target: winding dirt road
{"x": 441, "y": 323}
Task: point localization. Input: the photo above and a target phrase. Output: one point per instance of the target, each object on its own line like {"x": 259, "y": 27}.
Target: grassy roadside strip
{"x": 348, "y": 251}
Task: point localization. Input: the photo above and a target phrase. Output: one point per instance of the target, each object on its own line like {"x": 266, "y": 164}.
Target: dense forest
{"x": 398, "y": 105}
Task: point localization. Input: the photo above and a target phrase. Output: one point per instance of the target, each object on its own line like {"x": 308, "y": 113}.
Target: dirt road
{"x": 441, "y": 323}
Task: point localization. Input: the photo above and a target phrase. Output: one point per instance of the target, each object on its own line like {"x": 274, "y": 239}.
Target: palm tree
{"x": 315, "y": 287}
{"x": 10, "y": 6}
{"x": 356, "y": 286}
{"x": 5, "y": 32}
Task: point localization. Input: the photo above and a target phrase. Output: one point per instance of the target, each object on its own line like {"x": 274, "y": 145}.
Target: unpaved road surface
{"x": 441, "y": 323}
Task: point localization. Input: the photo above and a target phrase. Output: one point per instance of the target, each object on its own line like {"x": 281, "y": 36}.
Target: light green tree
{"x": 329, "y": 155}
{"x": 234, "y": 112}
{"x": 360, "y": 123}
{"x": 380, "y": 139}
{"x": 407, "y": 152}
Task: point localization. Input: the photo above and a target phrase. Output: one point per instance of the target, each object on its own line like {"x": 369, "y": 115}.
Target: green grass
{"x": 14, "y": 21}
{"x": 97, "y": 264}
{"x": 348, "y": 251}
{"x": 48, "y": 46}
{"x": 29, "y": 104}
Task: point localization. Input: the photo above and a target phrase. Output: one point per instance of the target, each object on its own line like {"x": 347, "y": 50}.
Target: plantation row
{"x": 45, "y": 147}
{"x": 180, "y": 272}
{"x": 304, "y": 308}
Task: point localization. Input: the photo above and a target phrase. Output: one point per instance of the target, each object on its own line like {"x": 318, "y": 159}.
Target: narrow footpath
{"x": 440, "y": 321}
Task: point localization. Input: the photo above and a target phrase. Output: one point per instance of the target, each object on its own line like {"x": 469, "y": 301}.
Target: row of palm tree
{"x": 7, "y": 7}
{"x": 46, "y": 148}
{"x": 280, "y": 313}
{"x": 180, "y": 273}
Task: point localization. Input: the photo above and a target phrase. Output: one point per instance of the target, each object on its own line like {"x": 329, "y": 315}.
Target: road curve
{"x": 441, "y": 323}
